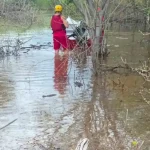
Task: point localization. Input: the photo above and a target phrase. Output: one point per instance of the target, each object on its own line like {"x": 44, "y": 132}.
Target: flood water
{"x": 50, "y": 101}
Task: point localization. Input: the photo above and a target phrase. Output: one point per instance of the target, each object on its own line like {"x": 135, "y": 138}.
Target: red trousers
{"x": 60, "y": 40}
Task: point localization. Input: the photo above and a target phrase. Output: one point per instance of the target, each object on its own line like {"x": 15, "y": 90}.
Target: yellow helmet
{"x": 58, "y": 8}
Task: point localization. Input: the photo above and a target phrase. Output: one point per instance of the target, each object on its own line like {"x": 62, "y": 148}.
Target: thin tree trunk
{"x": 3, "y": 7}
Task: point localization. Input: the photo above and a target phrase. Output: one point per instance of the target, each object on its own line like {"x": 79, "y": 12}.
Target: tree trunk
{"x": 3, "y": 7}
{"x": 94, "y": 20}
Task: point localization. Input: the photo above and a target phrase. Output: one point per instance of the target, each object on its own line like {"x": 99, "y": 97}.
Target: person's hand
{"x": 65, "y": 22}
{"x": 63, "y": 18}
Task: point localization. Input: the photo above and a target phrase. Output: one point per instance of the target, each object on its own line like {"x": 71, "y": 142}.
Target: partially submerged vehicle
{"x": 78, "y": 36}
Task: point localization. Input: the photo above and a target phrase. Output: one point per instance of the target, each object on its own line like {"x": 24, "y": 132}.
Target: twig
{"x": 143, "y": 33}
{"x": 148, "y": 102}
{"x": 141, "y": 144}
{"x": 42, "y": 147}
{"x": 112, "y": 68}
{"x": 82, "y": 144}
{"x": 126, "y": 118}
{"x": 8, "y": 124}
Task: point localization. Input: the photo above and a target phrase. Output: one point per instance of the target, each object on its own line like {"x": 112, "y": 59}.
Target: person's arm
{"x": 65, "y": 22}
{"x": 50, "y": 23}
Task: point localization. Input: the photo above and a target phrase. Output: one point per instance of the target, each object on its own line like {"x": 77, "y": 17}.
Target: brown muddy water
{"x": 50, "y": 101}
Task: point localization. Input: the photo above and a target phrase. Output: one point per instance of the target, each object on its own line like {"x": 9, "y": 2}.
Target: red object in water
{"x": 72, "y": 44}
{"x": 60, "y": 73}
{"x": 98, "y": 9}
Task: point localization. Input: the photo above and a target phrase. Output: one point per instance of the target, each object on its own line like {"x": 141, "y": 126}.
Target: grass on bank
{"x": 42, "y": 20}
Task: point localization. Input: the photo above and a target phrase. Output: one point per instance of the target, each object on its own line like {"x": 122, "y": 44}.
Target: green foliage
{"x": 42, "y": 4}
{"x": 50, "y": 3}
{"x": 148, "y": 11}
{"x": 65, "y": 1}
{"x": 72, "y": 11}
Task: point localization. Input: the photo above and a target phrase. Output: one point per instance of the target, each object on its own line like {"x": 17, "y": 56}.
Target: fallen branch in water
{"x": 143, "y": 70}
{"x": 83, "y": 144}
{"x": 8, "y": 124}
{"x": 113, "y": 68}
{"x": 42, "y": 147}
{"x": 51, "y": 95}
{"x": 37, "y": 46}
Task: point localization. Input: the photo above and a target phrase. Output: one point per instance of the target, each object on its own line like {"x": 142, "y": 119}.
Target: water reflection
{"x": 80, "y": 57}
{"x": 60, "y": 72}
{"x": 101, "y": 119}
{"x": 112, "y": 119}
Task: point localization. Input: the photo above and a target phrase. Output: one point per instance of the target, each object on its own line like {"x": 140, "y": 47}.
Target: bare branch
{"x": 143, "y": 33}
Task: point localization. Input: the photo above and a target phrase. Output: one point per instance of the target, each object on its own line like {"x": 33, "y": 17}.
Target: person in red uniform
{"x": 59, "y": 24}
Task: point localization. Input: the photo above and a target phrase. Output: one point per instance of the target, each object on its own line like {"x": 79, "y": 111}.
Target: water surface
{"x": 107, "y": 109}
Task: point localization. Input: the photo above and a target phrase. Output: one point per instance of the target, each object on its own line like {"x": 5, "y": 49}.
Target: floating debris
{"x": 78, "y": 84}
{"x": 51, "y": 95}
{"x": 37, "y": 46}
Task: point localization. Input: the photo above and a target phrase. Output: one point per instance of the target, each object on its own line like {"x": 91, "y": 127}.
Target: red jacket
{"x": 57, "y": 24}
